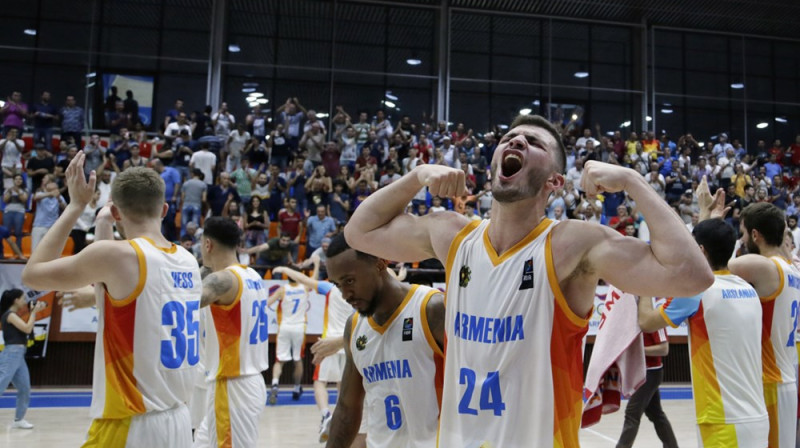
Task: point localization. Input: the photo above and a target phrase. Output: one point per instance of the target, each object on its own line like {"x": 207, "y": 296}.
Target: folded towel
{"x": 617, "y": 366}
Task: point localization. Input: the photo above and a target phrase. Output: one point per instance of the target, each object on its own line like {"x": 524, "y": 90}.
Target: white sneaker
{"x": 325, "y": 427}
{"x": 22, "y": 424}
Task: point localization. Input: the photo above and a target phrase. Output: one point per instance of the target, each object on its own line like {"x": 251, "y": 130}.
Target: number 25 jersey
{"x": 513, "y": 363}
{"x": 147, "y": 347}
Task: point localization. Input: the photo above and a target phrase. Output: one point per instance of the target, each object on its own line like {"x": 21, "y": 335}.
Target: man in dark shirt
{"x": 131, "y": 107}
{"x": 44, "y": 117}
{"x": 275, "y": 252}
{"x": 40, "y": 166}
{"x": 218, "y": 194}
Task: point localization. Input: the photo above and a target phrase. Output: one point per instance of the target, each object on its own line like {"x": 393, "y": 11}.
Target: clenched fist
{"x": 442, "y": 181}
{"x": 599, "y": 177}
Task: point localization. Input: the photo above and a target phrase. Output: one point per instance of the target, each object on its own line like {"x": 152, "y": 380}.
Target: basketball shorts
{"x": 172, "y": 428}
{"x": 234, "y": 407}
{"x": 733, "y": 435}
{"x": 291, "y": 345}
{"x": 331, "y": 368}
{"x": 781, "y": 401}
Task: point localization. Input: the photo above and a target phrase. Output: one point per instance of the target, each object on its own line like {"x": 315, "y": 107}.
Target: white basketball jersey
{"x": 725, "y": 347}
{"x": 337, "y": 311}
{"x": 513, "y": 360}
{"x": 237, "y": 339}
{"x": 293, "y": 307}
{"x": 148, "y": 344}
{"x": 399, "y": 363}
{"x": 778, "y": 350}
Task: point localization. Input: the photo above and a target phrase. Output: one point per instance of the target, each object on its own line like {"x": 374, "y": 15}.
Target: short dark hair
{"x": 541, "y": 122}
{"x": 768, "y": 219}
{"x": 339, "y": 245}
{"x": 791, "y": 217}
{"x": 199, "y": 174}
{"x": 9, "y": 296}
{"x": 718, "y": 238}
{"x": 222, "y": 230}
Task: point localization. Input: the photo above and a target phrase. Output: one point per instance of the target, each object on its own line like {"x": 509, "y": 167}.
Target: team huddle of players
{"x": 519, "y": 288}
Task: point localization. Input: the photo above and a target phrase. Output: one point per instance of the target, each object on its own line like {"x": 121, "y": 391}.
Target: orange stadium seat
{"x": 27, "y": 226}
{"x": 273, "y": 229}
{"x": 26, "y": 246}
{"x": 7, "y": 252}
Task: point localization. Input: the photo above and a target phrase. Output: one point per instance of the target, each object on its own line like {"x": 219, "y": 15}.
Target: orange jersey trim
{"x": 497, "y": 259}
{"x": 382, "y": 328}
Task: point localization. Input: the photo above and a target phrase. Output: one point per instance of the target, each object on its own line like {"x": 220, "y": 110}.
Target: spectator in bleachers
{"x": 13, "y": 149}
{"x": 135, "y": 159}
{"x": 275, "y": 252}
{"x": 234, "y": 147}
{"x": 740, "y": 180}
{"x": 280, "y": 151}
{"x": 193, "y": 197}
{"x": 290, "y": 115}
{"x": 319, "y": 226}
{"x": 259, "y": 154}
{"x": 131, "y": 107}
{"x": 49, "y": 204}
{"x": 39, "y": 166}
{"x": 218, "y": 194}
{"x": 16, "y": 200}
{"x": 382, "y": 127}
{"x": 256, "y": 223}
{"x": 72, "y": 120}
{"x": 318, "y": 187}
{"x": 172, "y": 114}
{"x": 779, "y": 194}
{"x": 223, "y": 121}
{"x": 276, "y": 189}
{"x": 175, "y": 128}
{"x": 348, "y": 148}
{"x": 340, "y": 203}
{"x": 205, "y": 161}
{"x": 778, "y": 151}
{"x": 389, "y": 176}
{"x": 773, "y": 167}
{"x": 311, "y": 120}
{"x": 257, "y": 123}
{"x": 172, "y": 181}
{"x": 14, "y": 112}
{"x": 104, "y": 179}
{"x": 291, "y": 222}
{"x": 244, "y": 177}
{"x": 94, "y": 152}
{"x": 794, "y": 207}
{"x": 313, "y": 143}
{"x": 44, "y": 116}
{"x": 345, "y": 178}
{"x": 233, "y": 210}
{"x": 622, "y": 219}
{"x": 296, "y": 184}
{"x": 118, "y": 119}
{"x": 85, "y": 223}
{"x": 202, "y": 123}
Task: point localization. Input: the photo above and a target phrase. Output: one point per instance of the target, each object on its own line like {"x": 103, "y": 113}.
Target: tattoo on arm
{"x": 214, "y": 286}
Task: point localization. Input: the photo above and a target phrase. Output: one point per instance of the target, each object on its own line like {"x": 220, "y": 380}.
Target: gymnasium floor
{"x": 62, "y": 418}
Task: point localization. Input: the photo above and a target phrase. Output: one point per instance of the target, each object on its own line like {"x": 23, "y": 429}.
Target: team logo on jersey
{"x": 361, "y": 342}
{"x": 464, "y": 276}
{"x": 408, "y": 327}
{"x": 527, "y": 275}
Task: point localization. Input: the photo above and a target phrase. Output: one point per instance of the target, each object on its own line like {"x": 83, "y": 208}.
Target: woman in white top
{"x": 12, "y": 148}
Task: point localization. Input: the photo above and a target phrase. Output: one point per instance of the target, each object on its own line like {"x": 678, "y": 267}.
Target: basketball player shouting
{"x": 520, "y": 287}
{"x": 148, "y": 304}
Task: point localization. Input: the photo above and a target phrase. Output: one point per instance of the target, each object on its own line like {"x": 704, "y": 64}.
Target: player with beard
{"x": 520, "y": 287}
{"x": 394, "y": 354}
{"x": 777, "y": 282}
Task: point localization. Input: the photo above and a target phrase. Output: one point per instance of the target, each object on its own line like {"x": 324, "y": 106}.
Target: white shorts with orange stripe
{"x": 170, "y": 428}
{"x": 330, "y": 370}
{"x": 234, "y": 407}
{"x": 781, "y": 401}
{"x": 291, "y": 345}
{"x": 733, "y": 435}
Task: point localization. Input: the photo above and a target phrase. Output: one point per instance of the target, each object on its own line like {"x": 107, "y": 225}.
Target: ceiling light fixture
{"x": 234, "y": 48}
{"x": 390, "y": 96}
{"x": 262, "y": 101}
{"x": 762, "y": 125}
{"x": 253, "y": 103}
{"x": 248, "y": 90}
{"x": 413, "y": 61}
{"x": 525, "y": 111}
{"x": 322, "y": 115}
{"x": 625, "y": 124}
{"x": 389, "y": 103}
{"x": 581, "y": 74}
{"x": 30, "y": 31}
{"x": 648, "y": 118}
{"x": 666, "y": 111}
{"x": 737, "y": 85}
{"x": 256, "y": 94}
{"x": 91, "y": 75}
{"x": 781, "y": 119}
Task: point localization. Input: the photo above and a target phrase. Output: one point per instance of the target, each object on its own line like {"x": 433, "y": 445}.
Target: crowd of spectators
{"x": 292, "y": 180}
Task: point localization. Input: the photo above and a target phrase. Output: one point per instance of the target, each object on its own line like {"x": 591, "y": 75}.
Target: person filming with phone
{"x": 13, "y": 368}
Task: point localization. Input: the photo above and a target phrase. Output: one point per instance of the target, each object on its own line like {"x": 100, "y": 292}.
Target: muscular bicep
{"x": 630, "y": 265}
{"x": 408, "y": 238}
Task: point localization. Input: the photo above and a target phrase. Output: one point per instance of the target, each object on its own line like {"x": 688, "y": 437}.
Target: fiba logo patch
{"x": 464, "y": 276}
{"x": 361, "y": 342}
{"x": 527, "y": 275}
{"x": 408, "y": 328}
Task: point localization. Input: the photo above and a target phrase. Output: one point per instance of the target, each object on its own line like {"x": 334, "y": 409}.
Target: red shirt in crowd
{"x": 290, "y": 222}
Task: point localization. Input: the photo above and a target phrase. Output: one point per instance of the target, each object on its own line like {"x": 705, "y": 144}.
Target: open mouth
{"x": 511, "y": 164}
